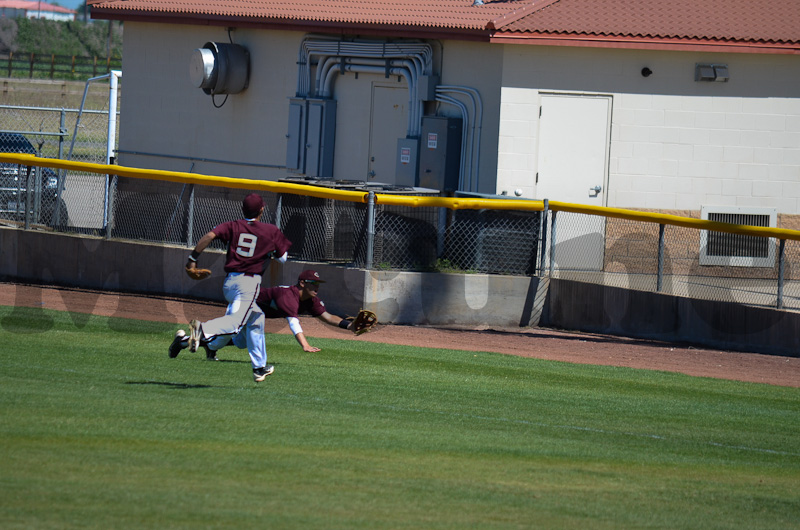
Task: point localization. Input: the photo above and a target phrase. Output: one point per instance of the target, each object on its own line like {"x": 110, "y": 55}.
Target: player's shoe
{"x": 178, "y": 343}
{"x": 195, "y": 335}
{"x": 211, "y": 355}
{"x": 259, "y": 374}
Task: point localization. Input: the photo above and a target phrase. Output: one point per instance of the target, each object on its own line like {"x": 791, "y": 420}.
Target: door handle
{"x": 594, "y": 192}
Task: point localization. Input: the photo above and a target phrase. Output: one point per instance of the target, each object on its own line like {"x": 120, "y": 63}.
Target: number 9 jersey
{"x": 250, "y": 243}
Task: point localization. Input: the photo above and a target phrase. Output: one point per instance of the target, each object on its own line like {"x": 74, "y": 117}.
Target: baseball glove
{"x": 364, "y": 321}
{"x": 198, "y": 274}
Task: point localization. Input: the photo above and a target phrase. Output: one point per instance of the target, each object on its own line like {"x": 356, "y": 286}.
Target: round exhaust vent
{"x": 220, "y": 68}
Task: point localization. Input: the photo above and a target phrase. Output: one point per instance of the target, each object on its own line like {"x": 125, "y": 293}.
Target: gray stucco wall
{"x": 436, "y": 299}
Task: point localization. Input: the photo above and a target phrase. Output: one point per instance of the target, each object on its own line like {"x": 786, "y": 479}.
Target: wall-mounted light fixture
{"x": 711, "y": 72}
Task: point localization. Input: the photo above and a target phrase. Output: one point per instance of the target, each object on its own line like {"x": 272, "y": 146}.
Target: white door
{"x": 572, "y": 167}
{"x": 389, "y": 121}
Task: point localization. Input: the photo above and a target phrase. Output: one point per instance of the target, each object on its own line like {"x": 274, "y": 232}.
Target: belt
{"x": 251, "y": 274}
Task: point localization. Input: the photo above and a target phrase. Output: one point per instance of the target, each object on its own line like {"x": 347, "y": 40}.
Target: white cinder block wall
{"x": 675, "y": 143}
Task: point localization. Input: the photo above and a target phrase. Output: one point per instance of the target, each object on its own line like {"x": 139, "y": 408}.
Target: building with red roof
{"x": 673, "y": 106}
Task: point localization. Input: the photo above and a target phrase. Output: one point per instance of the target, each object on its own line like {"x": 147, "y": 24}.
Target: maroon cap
{"x": 309, "y": 276}
{"x": 251, "y": 205}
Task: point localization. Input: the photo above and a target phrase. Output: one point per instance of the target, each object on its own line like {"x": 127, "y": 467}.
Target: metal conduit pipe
{"x": 477, "y": 122}
{"x": 332, "y": 62}
{"x": 333, "y": 72}
{"x": 466, "y": 139}
{"x": 364, "y": 68}
{"x": 464, "y": 144}
{"x": 413, "y": 66}
{"x": 391, "y": 50}
{"x": 303, "y": 59}
{"x": 470, "y": 184}
{"x": 325, "y": 46}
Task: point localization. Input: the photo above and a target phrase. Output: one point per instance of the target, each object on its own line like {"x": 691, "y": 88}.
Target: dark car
{"x": 30, "y": 190}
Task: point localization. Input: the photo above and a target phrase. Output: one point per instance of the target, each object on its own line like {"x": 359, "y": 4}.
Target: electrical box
{"x": 321, "y": 133}
{"x": 427, "y": 87}
{"x": 406, "y": 173}
{"x": 295, "y": 137}
{"x": 440, "y": 153}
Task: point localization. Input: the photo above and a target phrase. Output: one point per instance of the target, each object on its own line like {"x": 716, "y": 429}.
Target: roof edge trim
{"x": 647, "y": 44}
{"x": 393, "y": 30}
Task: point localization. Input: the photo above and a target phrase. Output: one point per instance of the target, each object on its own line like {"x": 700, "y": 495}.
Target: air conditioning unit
{"x": 321, "y": 229}
{"x": 735, "y": 250}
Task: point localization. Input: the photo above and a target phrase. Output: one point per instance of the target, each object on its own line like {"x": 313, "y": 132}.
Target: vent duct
{"x": 220, "y": 68}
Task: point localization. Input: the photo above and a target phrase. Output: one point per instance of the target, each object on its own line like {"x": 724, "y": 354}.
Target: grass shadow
{"x": 168, "y": 384}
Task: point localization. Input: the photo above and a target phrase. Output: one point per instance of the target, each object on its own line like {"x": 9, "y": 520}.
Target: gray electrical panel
{"x": 407, "y": 163}
{"x": 320, "y": 138}
{"x": 295, "y": 137}
{"x": 310, "y": 138}
{"x": 440, "y": 153}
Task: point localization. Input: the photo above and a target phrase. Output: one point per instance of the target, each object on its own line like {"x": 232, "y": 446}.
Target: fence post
{"x": 278, "y": 212}
{"x": 781, "y": 265}
{"x": 441, "y": 231}
{"x": 28, "y": 195}
{"x": 62, "y": 173}
{"x": 190, "y": 218}
{"x": 543, "y": 236}
{"x": 370, "y": 229}
{"x": 52, "y": 65}
{"x": 112, "y": 195}
{"x": 10, "y": 61}
{"x": 553, "y": 243}
{"x": 660, "y": 276}
{"x": 30, "y": 72}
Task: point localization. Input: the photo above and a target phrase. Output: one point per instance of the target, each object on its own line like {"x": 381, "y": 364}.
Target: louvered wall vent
{"x": 721, "y": 248}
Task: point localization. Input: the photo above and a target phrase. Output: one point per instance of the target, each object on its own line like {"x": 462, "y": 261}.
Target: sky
{"x": 71, "y": 4}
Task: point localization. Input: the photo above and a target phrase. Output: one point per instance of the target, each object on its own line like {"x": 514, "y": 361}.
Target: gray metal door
{"x": 389, "y": 121}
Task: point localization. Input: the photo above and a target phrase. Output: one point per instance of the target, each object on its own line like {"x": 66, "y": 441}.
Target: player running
{"x": 250, "y": 243}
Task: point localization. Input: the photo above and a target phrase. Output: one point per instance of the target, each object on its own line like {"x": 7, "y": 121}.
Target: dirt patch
{"x": 540, "y": 343}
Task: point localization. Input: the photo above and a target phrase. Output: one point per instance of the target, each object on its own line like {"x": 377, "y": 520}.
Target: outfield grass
{"x": 99, "y": 429}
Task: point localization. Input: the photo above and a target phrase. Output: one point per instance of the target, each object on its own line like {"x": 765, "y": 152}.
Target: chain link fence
{"x": 71, "y": 201}
{"x": 625, "y": 253}
{"x": 668, "y": 259}
{"x": 608, "y": 250}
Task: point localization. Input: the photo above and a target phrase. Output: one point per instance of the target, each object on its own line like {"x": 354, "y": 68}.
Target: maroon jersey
{"x": 250, "y": 244}
{"x": 282, "y": 302}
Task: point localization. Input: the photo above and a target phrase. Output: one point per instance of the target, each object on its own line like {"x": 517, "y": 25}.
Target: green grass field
{"x": 99, "y": 429}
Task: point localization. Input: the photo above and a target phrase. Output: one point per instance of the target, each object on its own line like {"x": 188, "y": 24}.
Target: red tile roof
{"x": 435, "y": 14}
{"x": 717, "y": 21}
{"x": 767, "y": 24}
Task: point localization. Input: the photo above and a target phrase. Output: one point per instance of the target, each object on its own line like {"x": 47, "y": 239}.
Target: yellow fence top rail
{"x": 453, "y": 203}
{"x": 675, "y": 220}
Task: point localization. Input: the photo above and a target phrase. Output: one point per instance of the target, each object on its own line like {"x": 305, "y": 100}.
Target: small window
{"x": 735, "y": 250}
